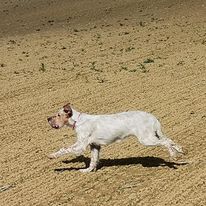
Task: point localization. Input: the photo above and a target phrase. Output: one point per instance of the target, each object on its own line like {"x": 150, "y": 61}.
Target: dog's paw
{"x": 52, "y": 156}
{"x": 87, "y": 170}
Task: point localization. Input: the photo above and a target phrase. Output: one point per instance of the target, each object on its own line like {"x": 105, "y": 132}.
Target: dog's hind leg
{"x": 173, "y": 148}
{"x": 155, "y": 137}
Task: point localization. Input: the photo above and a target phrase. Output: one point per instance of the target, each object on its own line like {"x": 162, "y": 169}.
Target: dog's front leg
{"x": 95, "y": 149}
{"x": 76, "y": 149}
{"x": 59, "y": 153}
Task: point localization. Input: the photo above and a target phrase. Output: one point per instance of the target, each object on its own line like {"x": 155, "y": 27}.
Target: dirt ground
{"x": 103, "y": 57}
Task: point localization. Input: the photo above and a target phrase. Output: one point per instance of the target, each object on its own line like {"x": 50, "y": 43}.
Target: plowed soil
{"x": 103, "y": 57}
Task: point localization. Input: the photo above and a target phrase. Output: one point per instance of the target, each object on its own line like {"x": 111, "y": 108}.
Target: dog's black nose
{"x": 49, "y": 119}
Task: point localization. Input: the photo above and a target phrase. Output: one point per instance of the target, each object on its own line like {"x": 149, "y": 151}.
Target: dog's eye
{"x": 58, "y": 115}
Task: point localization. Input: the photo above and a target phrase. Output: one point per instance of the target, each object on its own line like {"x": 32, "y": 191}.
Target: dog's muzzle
{"x": 49, "y": 119}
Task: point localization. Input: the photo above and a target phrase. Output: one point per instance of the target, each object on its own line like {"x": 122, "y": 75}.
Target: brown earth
{"x": 104, "y": 57}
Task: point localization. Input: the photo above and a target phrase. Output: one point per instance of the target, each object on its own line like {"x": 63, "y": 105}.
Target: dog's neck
{"x": 75, "y": 115}
{"x": 74, "y": 118}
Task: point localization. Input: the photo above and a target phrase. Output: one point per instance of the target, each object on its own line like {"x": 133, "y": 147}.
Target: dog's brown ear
{"x": 67, "y": 109}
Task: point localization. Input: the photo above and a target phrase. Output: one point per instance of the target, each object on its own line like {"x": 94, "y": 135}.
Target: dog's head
{"x": 61, "y": 118}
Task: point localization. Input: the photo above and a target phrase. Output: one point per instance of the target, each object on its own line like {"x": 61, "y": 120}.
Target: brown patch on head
{"x": 68, "y": 110}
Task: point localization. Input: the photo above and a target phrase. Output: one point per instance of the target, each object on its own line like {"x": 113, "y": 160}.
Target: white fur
{"x": 97, "y": 130}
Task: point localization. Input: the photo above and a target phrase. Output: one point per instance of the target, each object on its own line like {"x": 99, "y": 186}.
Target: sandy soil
{"x": 104, "y": 57}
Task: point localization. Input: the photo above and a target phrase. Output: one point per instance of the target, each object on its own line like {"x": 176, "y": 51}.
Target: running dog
{"x": 98, "y": 130}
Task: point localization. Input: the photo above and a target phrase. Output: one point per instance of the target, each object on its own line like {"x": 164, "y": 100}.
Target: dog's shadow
{"x": 144, "y": 161}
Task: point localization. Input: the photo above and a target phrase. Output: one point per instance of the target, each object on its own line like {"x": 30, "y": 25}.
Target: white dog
{"x": 97, "y": 130}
